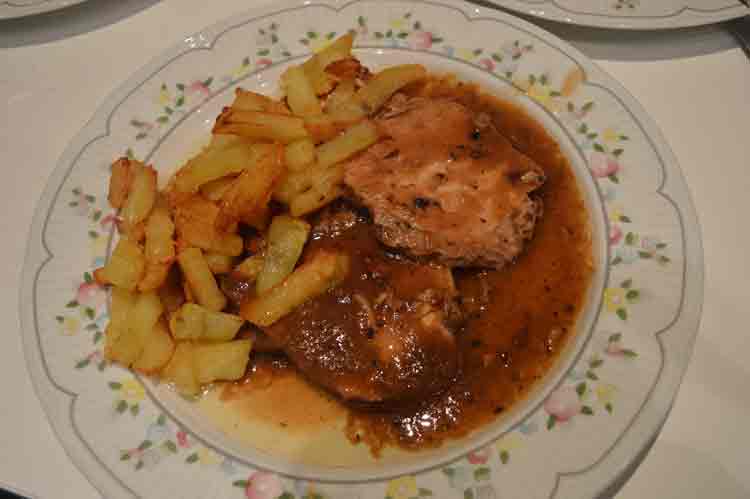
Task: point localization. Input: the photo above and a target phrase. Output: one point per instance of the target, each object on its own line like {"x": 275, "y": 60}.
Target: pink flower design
{"x": 420, "y": 40}
{"x": 603, "y": 165}
{"x": 198, "y": 88}
{"x": 480, "y": 456}
{"x": 563, "y": 403}
{"x": 182, "y": 439}
{"x": 90, "y": 294}
{"x": 264, "y": 62}
{"x": 109, "y": 220}
{"x": 263, "y": 485}
{"x": 615, "y": 235}
{"x": 487, "y": 64}
{"x": 649, "y": 244}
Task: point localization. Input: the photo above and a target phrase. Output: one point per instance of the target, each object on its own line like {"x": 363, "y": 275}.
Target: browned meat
{"x": 446, "y": 183}
{"x": 384, "y": 337}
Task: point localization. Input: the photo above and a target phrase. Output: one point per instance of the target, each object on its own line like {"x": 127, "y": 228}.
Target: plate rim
{"x": 685, "y": 17}
{"x": 13, "y": 10}
{"x": 38, "y": 254}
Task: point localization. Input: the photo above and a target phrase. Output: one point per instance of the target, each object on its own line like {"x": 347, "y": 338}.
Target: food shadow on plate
{"x": 67, "y": 22}
{"x": 634, "y": 45}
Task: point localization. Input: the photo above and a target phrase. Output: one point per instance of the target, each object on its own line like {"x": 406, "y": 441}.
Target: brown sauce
{"x": 520, "y": 317}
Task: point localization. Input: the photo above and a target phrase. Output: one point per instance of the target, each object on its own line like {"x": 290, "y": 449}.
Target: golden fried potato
{"x": 126, "y": 344}
{"x": 219, "y": 264}
{"x": 141, "y": 197}
{"x": 180, "y": 370}
{"x": 314, "y": 67}
{"x": 120, "y": 180}
{"x": 326, "y": 188}
{"x": 193, "y": 322}
{"x": 200, "y": 279}
{"x": 260, "y": 125}
{"x": 221, "y": 361}
{"x": 196, "y": 225}
{"x": 157, "y": 350}
{"x": 214, "y": 190}
{"x": 124, "y": 268}
{"x": 170, "y": 293}
{"x": 355, "y": 139}
{"x": 344, "y": 91}
{"x": 324, "y": 271}
{"x": 250, "y": 268}
{"x": 299, "y": 154}
{"x": 300, "y": 94}
{"x": 251, "y": 192}
{"x": 286, "y": 239}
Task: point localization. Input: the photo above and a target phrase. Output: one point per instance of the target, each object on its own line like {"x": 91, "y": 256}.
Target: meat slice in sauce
{"x": 446, "y": 184}
{"x": 385, "y": 336}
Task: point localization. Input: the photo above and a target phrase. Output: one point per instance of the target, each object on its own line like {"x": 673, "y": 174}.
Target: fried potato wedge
{"x": 214, "y": 190}
{"x": 196, "y": 225}
{"x": 124, "y": 268}
{"x": 299, "y": 154}
{"x": 200, "y": 279}
{"x": 326, "y": 188}
{"x": 180, "y": 370}
{"x": 120, "y": 180}
{"x": 286, "y": 239}
{"x": 300, "y": 94}
{"x": 221, "y": 361}
{"x": 250, "y": 268}
{"x": 219, "y": 264}
{"x": 314, "y": 68}
{"x": 355, "y": 139}
{"x": 313, "y": 278}
{"x": 261, "y": 125}
{"x": 157, "y": 350}
{"x": 193, "y": 322}
{"x": 141, "y": 197}
{"x": 214, "y": 163}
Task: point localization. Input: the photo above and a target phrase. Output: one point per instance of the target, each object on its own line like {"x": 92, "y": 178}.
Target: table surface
{"x": 55, "y": 70}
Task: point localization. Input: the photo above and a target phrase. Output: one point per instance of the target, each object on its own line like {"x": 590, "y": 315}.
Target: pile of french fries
{"x": 171, "y": 320}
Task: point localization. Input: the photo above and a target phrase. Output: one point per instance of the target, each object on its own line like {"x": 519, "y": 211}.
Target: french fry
{"x": 260, "y": 125}
{"x": 326, "y": 189}
{"x": 157, "y": 351}
{"x": 250, "y": 268}
{"x": 300, "y": 94}
{"x": 121, "y": 304}
{"x": 159, "y": 231}
{"x": 327, "y": 126}
{"x": 180, "y": 370}
{"x": 245, "y": 100}
{"x": 295, "y": 183}
{"x": 200, "y": 279}
{"x": 286, "y": 239}
{"x": 219, "y": 264}
{"x": 299, "y": 154}
{"x": 313, "y": 278}
{"x": 355, "y": 139}
{"x": 314, "y": 67}
{"x": 221, "y": 361}
{"x": 154, "y": 276}
{"x": 252, "y": 190}
{"x": 193, "y": 322}
{"x": 214, "y": 190}
{"x": 126, "y": 344}
{"x": 170, "y": 293}
{"x": 215, "y": 163}
{"x": 370, "y": 98}
{"x": 196, "y": 225}
{"x": 345, "y": 69}
{"x": 120, "y": 181}
{"x": 124, "y": 268}
{"x": 141, "y": 196}
{"x": 344, "y": 91}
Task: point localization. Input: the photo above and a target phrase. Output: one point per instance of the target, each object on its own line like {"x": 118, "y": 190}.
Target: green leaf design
{"x": 101, "y": 365}
{"x": 82, "y": 363}
{"x": 532, "y": 79}
{"x": 596, "y": 362}
{"x": 389, "y": 33}
{"x": 663, "y": 259}
{"x": 71, "y": 304}
{"x": 97, "y": 337}
{"x": 622, "y": 314}
{"x": 598, "y": 147}
{"x": 497, "y": 58}
{"x": 180, "y": 101}
{"x": 592, "y": 375}
{"x": 97, "y": 215}
{"x": 630, "y": 239}
{"x": 286, "y": 495}
{"x": 543, "y": 79}
{"x": 145, "y": 445}
{"x": 617, "y": 152}
{"x": 379, "y": 35}
{"x": 624, "y": 137}
{"x": 331, "y": 35}
{"x": 402, "y": 35}
{"x": 629, "y": 353}
{"x": 73, "y": 204}
{"x": 274, "y": 38}
{"x": 162, "y": 119}
{"x": 504, "y": 456}
{"x": 135, "y": 409}
{"x": 570, "y": 107}
{"x": 361, "y": 21}
{"x": 240, "y": 483}
{"x": 468, "y": 494}
{"x": 482, "y": 473}
{"x": 551, "y": 420}
{"x": 93, "y": 234}
{"x": 625, "y": 219}
{"x": 312, "y": 35}
{"x": 263, "y": 52}
{"x": 645, "y": 255}
{"x": 632, "y": 295}
{"x": 208, "y": 81}
{"x": 437, "y": 39}
{"x": 583, "y": 128}
{"x": 417, "y": 26}
{"x": 425, "y": 493}
{"x": 588, "y": 411}
{"x": 555, "y": 93}
{"x": 661, "y": 245}
{"x": 180, "y": 87}
{"x": 114, "y": 385}
{"x": 192, "y": 458}
{"x": 138, "y": 465}
{"x": 608, "y": 407}
{"x": 121, "y": 407}
{"x": 60, "y": 318}
{"x": 170, "y": 446}
{"x": 76, "y": 191}
{"x": 626, "y": 283}
{"x": 449, "y": 472}
{"x": 90, "y": 198}
{"x": 168, "y": 110}
{"x": 615, "y": 337}
{"x": 587, "y": 107}
{"x": 303, "y": 41}
{"x": 478, "y": 51}
{"x": 592, "y": 135}
{"x": 90, "y": 313}
{"x": 124, "y": 455}
{"x": 581, "y": 388}
{"x": 616, "y": 261}
{"x": 161, "y": 420}
{"x": 141, "y": 135}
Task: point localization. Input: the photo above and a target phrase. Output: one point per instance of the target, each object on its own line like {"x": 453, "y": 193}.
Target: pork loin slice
{"x": 446, "y": 184}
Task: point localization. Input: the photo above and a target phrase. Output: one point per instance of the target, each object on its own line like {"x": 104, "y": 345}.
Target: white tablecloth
{"x": 56, "y": 69}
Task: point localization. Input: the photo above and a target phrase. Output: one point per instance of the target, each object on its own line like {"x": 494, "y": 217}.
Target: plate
{"x": 630, "y": 14}
{"x": 574, "y": 436}
{"x": 10, "y": 9}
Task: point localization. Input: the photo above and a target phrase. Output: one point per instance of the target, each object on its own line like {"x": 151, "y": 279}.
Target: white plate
{"x": 574, "y": 436}
{"x": 630, "y": 14}
{"x": 10, "y": 9}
